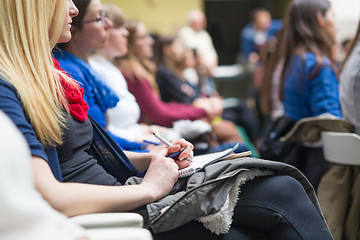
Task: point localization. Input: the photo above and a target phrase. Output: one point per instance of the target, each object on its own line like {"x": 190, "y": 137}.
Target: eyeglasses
{"x": 100, "y": 19}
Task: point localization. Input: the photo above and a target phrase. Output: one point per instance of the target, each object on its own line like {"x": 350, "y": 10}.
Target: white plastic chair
{"x": 341, "y": 148}
{"x": 113, "y": 226}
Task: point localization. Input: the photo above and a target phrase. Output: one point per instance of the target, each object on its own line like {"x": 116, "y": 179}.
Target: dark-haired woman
{"x": 310, "y": 86}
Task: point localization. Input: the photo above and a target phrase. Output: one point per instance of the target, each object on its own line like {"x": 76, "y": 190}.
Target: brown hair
{"x": 130, "y": 64}
{"x": 115, "y": 15}
{"x": 301, "y": 33}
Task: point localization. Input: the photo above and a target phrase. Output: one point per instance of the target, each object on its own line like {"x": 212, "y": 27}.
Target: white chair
{"x": 113, "y": 226}
{"x": 341, "y": 148}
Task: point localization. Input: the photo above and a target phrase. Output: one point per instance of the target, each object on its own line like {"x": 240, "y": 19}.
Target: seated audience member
{"x": 24, "y": 213}
{"x": 309, "y": 85}
{"x": 139, "y": 72}
{"x": 309, "y": 80}
{"x": 123, "y": 118}
{"x": 172, "y": 59}
{"x": 74, "y": 59}
{"x": 41, "y": 100}
{"x": 338, "y": 190}
{"x": 194, "y": 36}
{"x": 257, "y": 33}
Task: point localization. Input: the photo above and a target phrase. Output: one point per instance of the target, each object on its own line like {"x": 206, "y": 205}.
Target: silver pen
{"x": 165, "y": 141}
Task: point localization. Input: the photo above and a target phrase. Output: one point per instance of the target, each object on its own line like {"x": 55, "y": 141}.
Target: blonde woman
{"x": 34, "y": 97}
{"x": 29, "y": 74}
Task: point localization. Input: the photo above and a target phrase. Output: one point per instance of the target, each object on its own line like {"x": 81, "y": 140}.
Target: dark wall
{"x": 226, "y": 18}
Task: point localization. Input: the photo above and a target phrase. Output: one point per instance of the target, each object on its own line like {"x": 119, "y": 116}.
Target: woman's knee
{"x": 279, "y": 188}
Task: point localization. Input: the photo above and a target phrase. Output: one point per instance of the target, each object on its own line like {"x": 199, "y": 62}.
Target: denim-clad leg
{"x": 273, "y": 207}
{"x": 279, "y": 207}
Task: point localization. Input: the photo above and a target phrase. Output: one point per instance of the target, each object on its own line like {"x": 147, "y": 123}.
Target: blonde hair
{"x": 28, "y": 32}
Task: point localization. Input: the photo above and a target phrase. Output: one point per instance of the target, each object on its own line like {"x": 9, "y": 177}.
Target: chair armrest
{"x": 341, "y": 148}
{"x": 108, "y": 220}
{"x": 119, "y": 234}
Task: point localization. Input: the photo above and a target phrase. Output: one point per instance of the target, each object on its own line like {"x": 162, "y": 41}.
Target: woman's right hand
{"x": 161, "y": 175}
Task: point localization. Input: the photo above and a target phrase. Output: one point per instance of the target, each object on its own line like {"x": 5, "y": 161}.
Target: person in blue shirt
{"x": 309, "y": 84}
{"x": 256, "y": 34}
{"x": 98, "y": 95}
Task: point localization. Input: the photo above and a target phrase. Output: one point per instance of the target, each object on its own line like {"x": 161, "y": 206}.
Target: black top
{"x": 76, "y": 164}
{"x": 174, "y": 89}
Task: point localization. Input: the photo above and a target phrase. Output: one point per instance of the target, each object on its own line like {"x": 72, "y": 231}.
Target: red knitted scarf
{"x": 74, "y": 96}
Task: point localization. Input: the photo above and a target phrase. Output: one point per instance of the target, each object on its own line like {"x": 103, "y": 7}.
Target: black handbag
{"x": 109, "y": 155}
{"x": 271, "y": 148}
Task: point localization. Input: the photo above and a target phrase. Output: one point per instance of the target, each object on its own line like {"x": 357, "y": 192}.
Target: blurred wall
{"x": 347, "y": 14}
{"x": 160, "y": 16}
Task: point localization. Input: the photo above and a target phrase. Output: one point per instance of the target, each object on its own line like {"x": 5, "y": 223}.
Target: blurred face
{"x": 71, "y": 12}
{"x": 177, "y": 51}
{"x": 118, "y": 42}
{"x": 263, "y": 21}
{"x": 199, "y": 23}
{"x": 94, "y": 34}
{"x": 330, "y": 24}
{"x": 143, "y": 43}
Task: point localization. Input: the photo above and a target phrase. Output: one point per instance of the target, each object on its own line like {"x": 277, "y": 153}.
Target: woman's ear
{"x": 320, "y": 19}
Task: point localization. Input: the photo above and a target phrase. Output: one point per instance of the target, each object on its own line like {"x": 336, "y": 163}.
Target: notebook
{"x": 201, "y": 161}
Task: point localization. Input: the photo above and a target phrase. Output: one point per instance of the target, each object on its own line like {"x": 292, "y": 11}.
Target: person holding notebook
{"x": 42, "y": 100}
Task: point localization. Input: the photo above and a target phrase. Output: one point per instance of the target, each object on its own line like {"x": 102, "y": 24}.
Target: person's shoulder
{"x": 312, "y": 60}
{"x": 162, "y": 69}
{"x": 4, "y": 83}
{"x": 185, "y": 31}
{"x": 247, "y": 31}
{"x": 276, "y": 24}
{"x": 6, "y": 88}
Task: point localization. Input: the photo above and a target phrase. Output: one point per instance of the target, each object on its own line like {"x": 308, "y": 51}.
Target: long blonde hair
{"x": 28, "y": 32}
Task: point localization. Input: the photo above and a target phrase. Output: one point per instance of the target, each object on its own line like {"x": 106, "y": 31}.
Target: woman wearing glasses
{"x": 41, "y": 100}
{"x": 91, "y": 34}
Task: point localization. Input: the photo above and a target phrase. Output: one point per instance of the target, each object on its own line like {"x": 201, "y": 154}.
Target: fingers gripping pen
{"x": 164, "y": 140}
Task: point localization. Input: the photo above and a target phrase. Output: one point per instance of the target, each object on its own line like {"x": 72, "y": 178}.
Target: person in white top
{"x": 24, "y": 213}
{"x": 123, "y": 118}
{"x": 195, "y": 36}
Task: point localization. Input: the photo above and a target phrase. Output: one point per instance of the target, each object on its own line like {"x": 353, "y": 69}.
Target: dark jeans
{"x": 274, "y": 207}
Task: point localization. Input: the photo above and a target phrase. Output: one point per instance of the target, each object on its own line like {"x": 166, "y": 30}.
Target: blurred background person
{"x": 195, "y": 36}
{"x": 308, "y": 85}
{"x": 173, "y": 59}
{"x": 139, "y": 71}
{"x": 256, "y": 34}
{"x": 123, "y": 118}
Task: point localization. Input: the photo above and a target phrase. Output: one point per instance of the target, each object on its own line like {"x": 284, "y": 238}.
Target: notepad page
{"x": 201, "y": 161}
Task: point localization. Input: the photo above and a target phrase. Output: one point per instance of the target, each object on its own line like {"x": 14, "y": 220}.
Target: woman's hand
{"x": 187, "y": 154}
{"x": 207, "y": 105}
{"x": 161, "y": 174}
